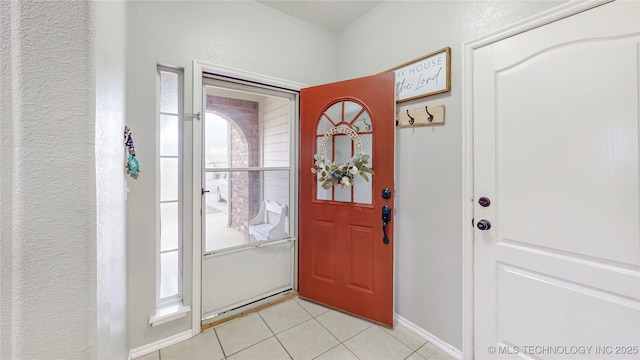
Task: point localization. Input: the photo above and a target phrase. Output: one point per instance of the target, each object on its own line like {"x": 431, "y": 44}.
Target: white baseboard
{"x": 162, "y": 343}
{"x": 437, "y": 342}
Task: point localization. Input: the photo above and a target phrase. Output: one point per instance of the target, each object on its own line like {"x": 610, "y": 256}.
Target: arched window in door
{"x": 340, "y": 148}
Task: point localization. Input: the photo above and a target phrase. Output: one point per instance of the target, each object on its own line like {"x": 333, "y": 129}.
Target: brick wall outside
{"x": 244, "y": 187}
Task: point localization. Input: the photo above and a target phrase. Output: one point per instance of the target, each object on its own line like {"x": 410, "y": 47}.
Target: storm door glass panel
{"x": 247, "y": 160}
{"x": 246, "y": 131}
{"x": 341, "y": 148}
{"x": 217, "y": 136}
{"x": 275, "y": 132}
{"x": 246, "y": 207}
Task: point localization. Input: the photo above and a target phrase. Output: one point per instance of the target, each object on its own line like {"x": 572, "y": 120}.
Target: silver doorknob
{"x": 484, "y": 225}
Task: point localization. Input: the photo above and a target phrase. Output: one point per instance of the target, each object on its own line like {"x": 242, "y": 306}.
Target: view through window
{"x": 247, "y": 168}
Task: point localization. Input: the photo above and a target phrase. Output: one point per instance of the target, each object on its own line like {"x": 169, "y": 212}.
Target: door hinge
{"x": 192, "y": 116}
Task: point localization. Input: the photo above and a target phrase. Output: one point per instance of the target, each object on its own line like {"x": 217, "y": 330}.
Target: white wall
{"x": 251, "y": 37}
{"x": 239, "y": 34}
{"x": 48, "y": 185}
{"x": 110, "y": 35}
{"x": 428, "y": 160}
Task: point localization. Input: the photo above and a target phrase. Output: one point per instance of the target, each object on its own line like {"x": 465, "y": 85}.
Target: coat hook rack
{"x": 427, "y": 116}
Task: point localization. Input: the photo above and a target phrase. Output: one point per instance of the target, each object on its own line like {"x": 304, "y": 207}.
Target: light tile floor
{"x": 299, "y": 329}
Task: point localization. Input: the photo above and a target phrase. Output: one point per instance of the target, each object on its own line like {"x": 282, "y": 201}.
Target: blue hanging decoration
{"x": 132, "y": 164}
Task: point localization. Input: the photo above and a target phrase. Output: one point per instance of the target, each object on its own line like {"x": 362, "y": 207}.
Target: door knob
{"x": 484, "y": 201}
{"x": 484, "y": 225}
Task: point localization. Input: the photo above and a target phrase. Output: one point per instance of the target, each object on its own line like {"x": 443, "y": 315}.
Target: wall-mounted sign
{"x": 427, "y": 75}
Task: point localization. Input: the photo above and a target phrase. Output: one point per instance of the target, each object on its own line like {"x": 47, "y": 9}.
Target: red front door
{"x": 345, "y": 262}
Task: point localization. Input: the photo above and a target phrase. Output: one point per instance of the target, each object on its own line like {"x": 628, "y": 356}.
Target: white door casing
{"x": 555, "y": 148}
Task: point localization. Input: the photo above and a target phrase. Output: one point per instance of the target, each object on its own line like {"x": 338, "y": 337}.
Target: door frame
{"x": 199, "y": 69}
{"x": 546, "y": 17}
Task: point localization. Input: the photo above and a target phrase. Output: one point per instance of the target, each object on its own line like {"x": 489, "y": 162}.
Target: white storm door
{"x": 248, "y": 193}
{"x": 555, "y": 114}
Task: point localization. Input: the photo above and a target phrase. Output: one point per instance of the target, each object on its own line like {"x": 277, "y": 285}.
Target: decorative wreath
{"x": 333, "y": 174}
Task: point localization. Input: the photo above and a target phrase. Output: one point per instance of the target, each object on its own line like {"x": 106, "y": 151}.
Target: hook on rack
{"x": 411, "y": 119}
{"x": 430, "y": 118}
{"x": 420, "y": 116}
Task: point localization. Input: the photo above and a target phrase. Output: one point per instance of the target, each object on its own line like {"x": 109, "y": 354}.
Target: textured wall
{"x": 48, "y": 241}
{"x": 428, "y": 159}
{"x": 110, "y": 23}
{"x": 6, "y": 181}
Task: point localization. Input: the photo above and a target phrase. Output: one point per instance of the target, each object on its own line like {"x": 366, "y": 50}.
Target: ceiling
{"x": 330, "y": 14}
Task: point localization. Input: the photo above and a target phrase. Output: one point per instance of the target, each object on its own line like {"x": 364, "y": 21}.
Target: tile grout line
{"x": 414, "y": 352}
{"x": 305, "y": 309}
{"x": 224, "y": 354}
{"x": 284, "y": 347}
{"x": 317, "y": 321}
{"x": 405, "y": 344}
{"x": 276, "y": 336}
{"x": 290, "y": 327}
{"x": 323, "y": 312}
{"x": 245, "y": 348}
{"x": 339, "y": 341}
{"x": 266, "y": 323}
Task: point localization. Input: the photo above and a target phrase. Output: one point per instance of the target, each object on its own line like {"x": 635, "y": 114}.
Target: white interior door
{"x": 248, "y": 195}
{"x": 555, "y": 114}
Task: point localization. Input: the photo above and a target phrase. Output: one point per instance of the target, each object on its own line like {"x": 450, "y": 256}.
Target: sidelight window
{"x": 169, "y": 272}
